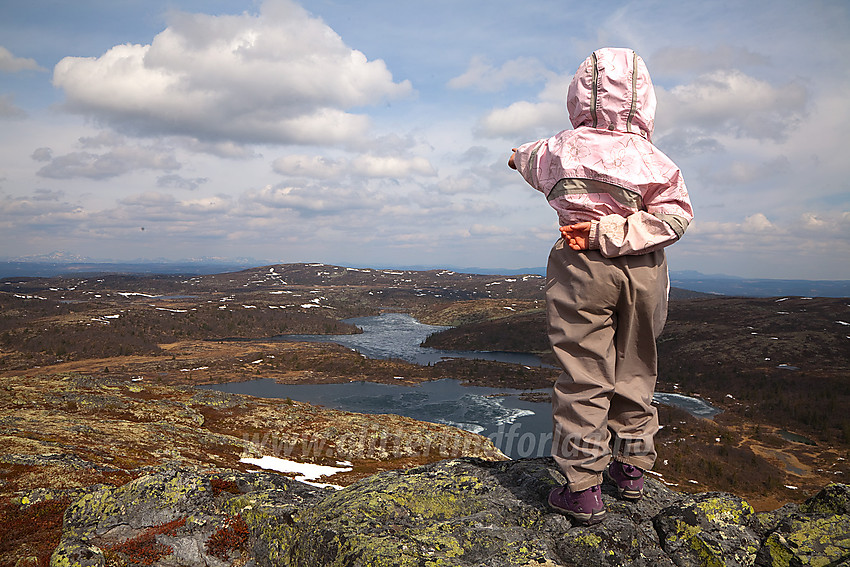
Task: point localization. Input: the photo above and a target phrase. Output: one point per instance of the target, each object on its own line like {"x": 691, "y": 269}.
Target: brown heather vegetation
{"x": 772, "y": 365}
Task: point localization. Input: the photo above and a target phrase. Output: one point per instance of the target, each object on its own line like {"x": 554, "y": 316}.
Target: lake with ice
{"x": 519, "y": 428}
{"x": 397, "y": 335}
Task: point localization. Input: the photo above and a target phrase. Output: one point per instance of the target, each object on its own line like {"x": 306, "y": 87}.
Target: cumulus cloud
{"x": 164, "y": 214}
{"x": 223, "y": 149}
{"x": 367, "y": 165}
{"x": 42, "y": 211}
{"x": 282, "y": 76}
{"x": 112, "y": 163}
{"x": 521, "y": 117}
{"x": 525, "y": 119}
{"x": 390, "y": 166}
{"x": 180, "y": 182}
{"x": 316, "y": 167}
{"x": 832, "y": 223}
{"x": 310, "y": 200}
{"x": 11, "y": 64}
{"x": 483, "y": 76}
{"x": 42, "y": 154}
{"x": 733, "y": 103}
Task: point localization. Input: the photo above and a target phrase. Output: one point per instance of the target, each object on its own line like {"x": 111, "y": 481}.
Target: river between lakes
{"x": 398, "y": 335}
{"x": 517, "y": 427}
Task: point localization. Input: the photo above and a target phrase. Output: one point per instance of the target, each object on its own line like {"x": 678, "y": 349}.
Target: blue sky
{"x": 376, "y": 132}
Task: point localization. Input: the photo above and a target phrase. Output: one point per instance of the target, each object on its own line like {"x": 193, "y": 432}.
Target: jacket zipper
{"x": 634, "y": 93}
{"x": 593, "y": 89}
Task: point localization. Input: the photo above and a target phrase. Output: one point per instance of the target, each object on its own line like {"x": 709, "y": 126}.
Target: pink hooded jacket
{"x": 606, "y": 170}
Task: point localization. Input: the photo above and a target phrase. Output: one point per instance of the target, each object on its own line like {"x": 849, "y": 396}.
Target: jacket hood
{"x": 612, "y": 90}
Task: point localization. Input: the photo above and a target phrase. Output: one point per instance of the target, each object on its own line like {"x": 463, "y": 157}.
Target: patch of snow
{"x": 172, "y": 310}
{"x": 306, "y": 471}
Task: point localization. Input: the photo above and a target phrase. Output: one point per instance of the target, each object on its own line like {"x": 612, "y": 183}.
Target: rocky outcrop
{"x": 452, "y": 513}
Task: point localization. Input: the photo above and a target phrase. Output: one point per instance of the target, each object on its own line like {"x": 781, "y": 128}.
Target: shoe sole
{"x": 632, "y": 495}
{"x": 587, "y": 519}
{"x": 625, "y": 493}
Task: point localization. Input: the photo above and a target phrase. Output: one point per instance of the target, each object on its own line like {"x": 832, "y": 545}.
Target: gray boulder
{"x": 461, "y": 512}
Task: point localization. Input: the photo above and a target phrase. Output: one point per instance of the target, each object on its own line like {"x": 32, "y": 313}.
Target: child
{"x": 620, "y": 201}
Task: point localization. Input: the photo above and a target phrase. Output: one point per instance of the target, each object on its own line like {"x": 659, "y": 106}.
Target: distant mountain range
{"x": 718, "y": 284}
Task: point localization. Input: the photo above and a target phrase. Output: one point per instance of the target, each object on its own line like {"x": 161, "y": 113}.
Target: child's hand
{"x": 576, "y": 235}
{"x": 511, "y": 162}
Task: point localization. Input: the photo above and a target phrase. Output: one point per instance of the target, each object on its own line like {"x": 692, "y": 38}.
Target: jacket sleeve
{"x": 528, "y": 159}
{"x": 668, "y": 214}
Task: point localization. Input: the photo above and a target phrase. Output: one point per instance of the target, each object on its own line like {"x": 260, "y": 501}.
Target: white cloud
{"x": 180, "y": 182}
{"x": 11, "y": 64}
{"x": 389, "y": 166}
{"x": 115, "y": 162}
{"x": 758, "y": 223}
{"x": 42, "y": 154}
{"x": 153, "y": 206}
{"x": 312, "y": 166}
{"x": 367, "y": 165}
{"x": 520, "y": 118}
{"x": 44, "y": 210}
{"x": 482, "y": 76}
{"x": 282, "y": 76}
{"x": 524, "y": 120}
{"x": 733, "y": 103}
{"x": 309, "y": 200}
{"x": 223, "y": 149}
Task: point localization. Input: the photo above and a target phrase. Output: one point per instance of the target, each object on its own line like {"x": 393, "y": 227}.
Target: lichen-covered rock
{"x": 455, "y": 513}
{"x": 172, "y": 515}
{"x": 708, "y": 529}
{"x": 470, "y": 512}
{"x": 817, "y": 534}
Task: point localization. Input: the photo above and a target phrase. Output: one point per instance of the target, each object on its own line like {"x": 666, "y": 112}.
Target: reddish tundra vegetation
{"x": 97, "y": 376}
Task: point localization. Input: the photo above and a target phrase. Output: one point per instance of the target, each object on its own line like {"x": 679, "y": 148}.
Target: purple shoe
{"x": 584, "y": 506}
{"x": 629, "y": 480}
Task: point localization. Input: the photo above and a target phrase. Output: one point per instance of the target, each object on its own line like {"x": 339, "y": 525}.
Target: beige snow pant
{"x": 604, "y": 315}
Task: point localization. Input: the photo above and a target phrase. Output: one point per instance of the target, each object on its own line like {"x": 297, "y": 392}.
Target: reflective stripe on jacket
{"x": 606, "y": 169}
